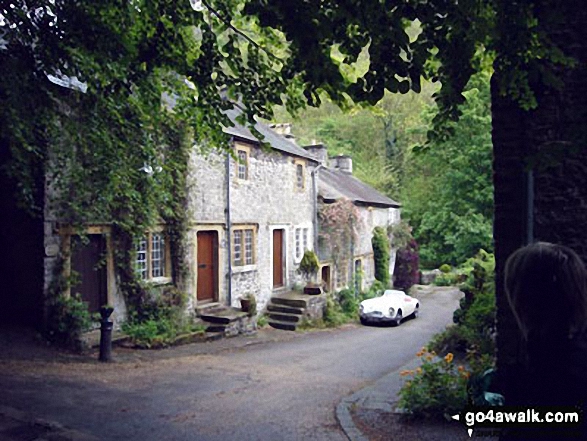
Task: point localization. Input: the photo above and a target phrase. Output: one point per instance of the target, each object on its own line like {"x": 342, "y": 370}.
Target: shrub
{"x": 349, "y": 303}
{"x": 68, "y": 318}
{"x": 380, "y": 244}
{"x": 438, "y": 387}
{"x": 445, "y": 268}
{"x": 309, "y": 265}
{"x": 406, "y": 271}
{"x": 162, "y": 318}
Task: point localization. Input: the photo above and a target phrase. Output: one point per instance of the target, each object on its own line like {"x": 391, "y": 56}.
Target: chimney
{"x": 318, "y": 152}
{"x": 283, "y": 129}
{"x": 343, "y": 163}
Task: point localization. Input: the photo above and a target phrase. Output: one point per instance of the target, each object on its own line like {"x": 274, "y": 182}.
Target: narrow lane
{"x": 285, "y": 390}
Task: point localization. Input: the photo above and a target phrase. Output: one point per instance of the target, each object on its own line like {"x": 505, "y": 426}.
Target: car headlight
{"x": 391, "y": 311}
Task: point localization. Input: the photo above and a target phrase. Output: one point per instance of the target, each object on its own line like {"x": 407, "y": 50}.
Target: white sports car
{"x": 392, "y": 306}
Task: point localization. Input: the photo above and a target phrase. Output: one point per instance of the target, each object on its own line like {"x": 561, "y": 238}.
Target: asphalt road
{"x": 276, "y": 390}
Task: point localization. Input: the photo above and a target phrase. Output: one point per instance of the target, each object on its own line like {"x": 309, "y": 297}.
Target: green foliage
{"x": 262, "y": 321}
{"x": 309, "y": 265}
{"x": 437, "y": 388}
{"x": 380, "y": 244}
{"x": 445, "y": 268}
{"x": 68, "y": 318}
{"x": 449, "y": 201}
{"x": 161, "y": 320}
{"x": 349, "y": 303}
{"x": 407, "y": 267}
{"x": 474, "y": 329}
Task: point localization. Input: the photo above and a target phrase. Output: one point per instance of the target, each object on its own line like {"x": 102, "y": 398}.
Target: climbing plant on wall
{"x": 380, "y": 244}
{"x": 339, "y": 225}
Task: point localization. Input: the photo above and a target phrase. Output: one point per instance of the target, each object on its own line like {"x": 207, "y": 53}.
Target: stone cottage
{"x": 336, "y": 182}
{"x": 252, "y": 214}
{"x": 252, "y": 217}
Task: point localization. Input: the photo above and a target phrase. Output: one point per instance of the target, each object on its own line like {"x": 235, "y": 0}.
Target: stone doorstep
{"x": 284, "y": 309}
{"x": 286, "y": 326}
{"x": 223, "y": 315}
{"x": 285, "y": 317}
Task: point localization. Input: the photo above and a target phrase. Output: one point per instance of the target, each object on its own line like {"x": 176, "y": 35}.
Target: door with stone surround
{"x": 277, "y": 258}
{"x": 207, "y": 266}
{"x": 89, "y": 270}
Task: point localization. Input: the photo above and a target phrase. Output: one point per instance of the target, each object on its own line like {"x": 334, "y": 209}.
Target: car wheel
{"x": 416, "y": 311}
{"x": 398, "y": 317}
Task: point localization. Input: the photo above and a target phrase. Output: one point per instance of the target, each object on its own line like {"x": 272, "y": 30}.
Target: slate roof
{"x": 335, "y": 184}
{"x": 277, "y": 141}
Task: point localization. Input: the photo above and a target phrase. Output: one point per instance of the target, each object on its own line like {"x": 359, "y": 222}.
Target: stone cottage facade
{"x": 336, "y": 182}
{"x": 252, "y": 217}
{"x": 252, "y": 214}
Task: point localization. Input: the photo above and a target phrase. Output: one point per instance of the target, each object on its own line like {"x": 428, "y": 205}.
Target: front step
{"x": 284, "y": 309}
{"x": 294, "y": 318}
{"x": 288, "y": 310}
{"x": 225, "y": 320}
{"x": 286, "y": 326}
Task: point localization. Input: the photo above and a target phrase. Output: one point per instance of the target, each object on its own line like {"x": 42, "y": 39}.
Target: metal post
{"x": 106, "y": 334}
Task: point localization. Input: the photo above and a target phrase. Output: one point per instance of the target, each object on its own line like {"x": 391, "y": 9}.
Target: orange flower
{"x": 404, "y": 373}
{"x": 449, "y": 357}
{"x": 461, "y": 368}
{"x": 419, "y": 370}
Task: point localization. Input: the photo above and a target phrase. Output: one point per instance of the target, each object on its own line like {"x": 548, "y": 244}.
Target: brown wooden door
{"x": 207, "y": 266}
{"x": 326, "y": 278}
{"x": 277, "y": 258}
{"x": 89, "y": 269}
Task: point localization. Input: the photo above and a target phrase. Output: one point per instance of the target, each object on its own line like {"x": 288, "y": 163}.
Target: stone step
{"x": 291, "y": 302}
{"x": 282, "y": 308}
{"x": 287, "y": 326}
{"x": 284, "y": 317}
{"x": 223, "y": 315}
{"x": 216, "y": 328}
{"x": 208, "y": 308}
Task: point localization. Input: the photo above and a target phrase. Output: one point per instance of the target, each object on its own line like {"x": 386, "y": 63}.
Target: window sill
{"x": 159, "y": 281}
{"x": 244, "y": 268}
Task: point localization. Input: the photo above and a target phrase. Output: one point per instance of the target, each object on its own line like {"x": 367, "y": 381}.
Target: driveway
{"x": 277, "y": 385}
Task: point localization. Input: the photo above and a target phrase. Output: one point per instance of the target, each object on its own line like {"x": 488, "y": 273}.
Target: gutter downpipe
{"x": 228, "y": 225}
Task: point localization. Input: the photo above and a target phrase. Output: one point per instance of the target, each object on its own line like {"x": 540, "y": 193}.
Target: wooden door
{"x": 326, "y": 278}
{"x": 207, "y": 266}
{"x": 88, "y": 266}
{"x": 277, "y": 258}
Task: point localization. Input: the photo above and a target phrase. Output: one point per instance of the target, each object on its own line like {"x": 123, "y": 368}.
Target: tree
{"x": 449, "y": 201}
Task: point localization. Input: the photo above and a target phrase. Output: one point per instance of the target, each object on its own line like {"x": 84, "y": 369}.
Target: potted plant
{"x": 249, "y": 304}
{"x": 309, "y": 268}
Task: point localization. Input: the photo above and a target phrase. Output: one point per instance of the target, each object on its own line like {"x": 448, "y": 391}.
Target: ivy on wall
{"x": 339, "y": 226}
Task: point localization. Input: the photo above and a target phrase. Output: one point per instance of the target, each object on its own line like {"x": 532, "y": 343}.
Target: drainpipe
{"x": 529, "y": 206}
{"x": 228, "y": 224}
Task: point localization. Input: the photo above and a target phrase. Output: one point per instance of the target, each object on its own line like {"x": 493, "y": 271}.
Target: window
{"x": 301, "y": 241}
{"x": 243, "y": 250}
{"x": 300, "y": 178}
{"x": 151, "y": 258}
{"x": 243, "y": 164}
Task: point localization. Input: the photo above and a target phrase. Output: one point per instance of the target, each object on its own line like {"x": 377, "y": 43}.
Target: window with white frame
{"x": 243, "y": 164}
{"x": 300, "y": 178}
{"x": 301, "y": 242}
{"x": 243, "y": 246}
{"x": 151, "y": 256}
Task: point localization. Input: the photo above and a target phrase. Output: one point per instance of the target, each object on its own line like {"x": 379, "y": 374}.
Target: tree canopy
{"x": 82, "y": 81}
